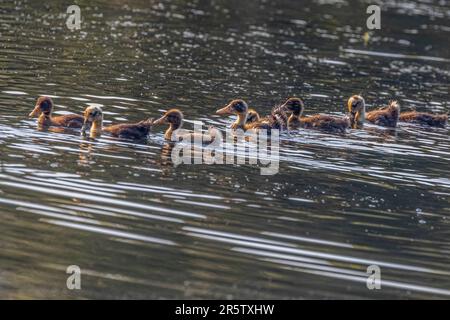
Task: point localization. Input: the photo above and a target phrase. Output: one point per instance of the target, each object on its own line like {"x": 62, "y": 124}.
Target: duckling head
{"x": 44, "y": 105}
{"x": 252, "y": 116}
{"x": 357, "y": 109}
{"x": 294, "y": 105}
{"x": 93, "y": 119}
{"x": 238, "y": 107}
{"x": 174, "y": 118}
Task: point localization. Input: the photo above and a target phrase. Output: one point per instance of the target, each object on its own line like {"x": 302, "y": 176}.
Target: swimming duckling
{"x": 329, "y": 123}
{"x": 93, "y": 118}
{"x": 274, "y": 120}
{"x": 425, "y": 118}
{"x": 294, "y": 106}
{"x": 240, "y": 108}
{"x": 44, "y": 109}
{"x": 252, "y": 116}
{"x": 174, "y": 118}
{"x": 387, "y": 116}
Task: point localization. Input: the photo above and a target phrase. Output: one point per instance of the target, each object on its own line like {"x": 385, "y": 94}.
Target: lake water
{"x": 139, "y": 227}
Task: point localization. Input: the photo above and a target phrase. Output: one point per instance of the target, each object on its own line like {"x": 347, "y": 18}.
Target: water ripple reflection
{"x": 140, "y": 227}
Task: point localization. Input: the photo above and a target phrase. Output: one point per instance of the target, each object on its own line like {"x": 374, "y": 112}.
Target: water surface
{"x": 140, "y": 227}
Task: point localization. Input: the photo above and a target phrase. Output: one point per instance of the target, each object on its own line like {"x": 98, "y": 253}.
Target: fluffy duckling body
{"x": 328, "y": 123}
{"x": 248, "y": 119}
{"x": 93, "y": 117}
{"x": 387, "y": 116}
{"x": 174, "y": 118}
{"x": 44, "y": 110}
{"x": 424, "y": 118}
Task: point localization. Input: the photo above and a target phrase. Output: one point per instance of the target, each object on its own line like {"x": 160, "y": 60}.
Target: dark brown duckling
{"x": 328, "y": 123}
{"x": 295, "y": 107}
{"x": 93, "y": 118}
{"x": 44, "y": 109}
{"x": 387, "y": 116}
{"x": 174, "y": 118}
{"x": 425, "y": 118}
{"x": 240, "y": 108}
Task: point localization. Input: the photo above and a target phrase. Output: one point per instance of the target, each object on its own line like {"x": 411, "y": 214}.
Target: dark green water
{"x": 139, "y": 227}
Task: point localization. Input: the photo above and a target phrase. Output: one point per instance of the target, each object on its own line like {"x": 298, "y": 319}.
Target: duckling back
{"x": 138, "y": 130}
{"x": 69, "y": 121}
{"x": 277, "y": 119}
{"x": 387, "y": 116}
{"x": 326, "y": 123}
{"x": 425, "y": 118}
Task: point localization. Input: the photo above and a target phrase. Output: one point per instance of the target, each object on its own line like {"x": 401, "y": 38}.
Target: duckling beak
{"x": 85, "y": 126}
{"x": 350, "y": 105}
{"x": 35, "y": 112}
{"x": 161, "y": 120}
{"x": 225, "y": 110}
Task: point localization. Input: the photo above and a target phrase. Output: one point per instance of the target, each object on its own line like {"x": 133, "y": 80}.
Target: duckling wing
{"x": 264, "y": 123}
{"x": 387, "y": 117}
{"x": 325, "y": 122}
{"x": 373, "y": 116}
{"x": 69, "y": 121}
{"x": 273, "y": 121}
{"x": 424, "y": 118}
{"x": 129, "y": 131}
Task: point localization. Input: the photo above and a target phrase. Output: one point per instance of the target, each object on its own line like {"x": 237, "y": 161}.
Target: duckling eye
{"x": 239, "y": 107}
{"x": 44, "y": 104}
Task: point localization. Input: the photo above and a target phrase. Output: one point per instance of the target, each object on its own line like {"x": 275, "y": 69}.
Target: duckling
{"x": 44, "y": 109}
{"x": 275, "y": 120}
{"x": 387, "y": 116}
{"x": 425, "y": 118}
{"x": 329, "y": 123}
{"x": 252, "y": 116}
{"x": 174, "y": 118}
{"x": 357, "y": 109}
{"x": 240, "y": 108}
{"x": 93, "y": 117}
{"x": 296, "y": 107}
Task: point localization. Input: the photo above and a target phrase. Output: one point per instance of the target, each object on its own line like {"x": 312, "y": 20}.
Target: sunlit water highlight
{"x": 139, "y": 227}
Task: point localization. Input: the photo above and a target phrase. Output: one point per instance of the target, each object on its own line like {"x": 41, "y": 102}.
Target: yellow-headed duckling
{"x": 296, "y": 107}
{"x": 93, "y": 119}
{"x": 44, "y": 110}
{"x": 174, "y": 118}
{"x": 387, "y": 116}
